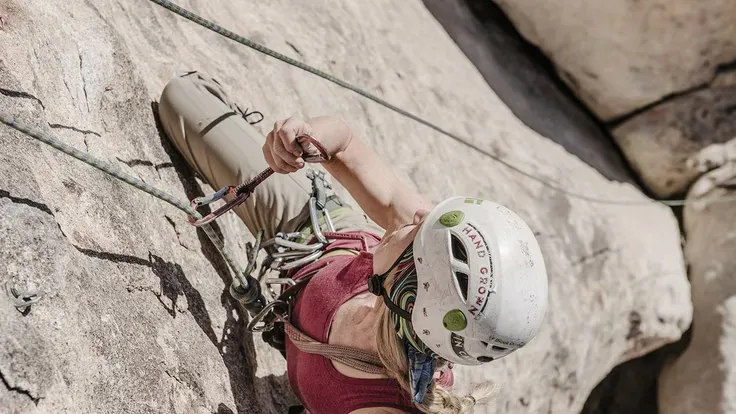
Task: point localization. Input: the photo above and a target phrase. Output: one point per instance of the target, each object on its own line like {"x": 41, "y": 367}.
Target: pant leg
{"x": 204, "y": 125}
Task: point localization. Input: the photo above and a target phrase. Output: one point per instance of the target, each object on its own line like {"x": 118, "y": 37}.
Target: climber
{"x": 462, "y": 282}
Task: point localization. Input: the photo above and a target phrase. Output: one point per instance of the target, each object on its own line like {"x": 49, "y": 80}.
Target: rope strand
{"x": 269, "y": 52}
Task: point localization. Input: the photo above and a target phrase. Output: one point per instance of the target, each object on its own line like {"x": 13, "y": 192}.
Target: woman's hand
{"x": 282, "y": 151}
{"x": 285, "y": 154}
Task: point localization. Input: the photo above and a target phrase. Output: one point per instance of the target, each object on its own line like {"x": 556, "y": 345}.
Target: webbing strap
{"x": 364, "y": 361}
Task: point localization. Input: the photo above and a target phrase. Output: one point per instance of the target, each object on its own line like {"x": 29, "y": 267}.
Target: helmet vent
{"x": 494, "y": 347}
{"x": 462, "y": 281}
{"x": 458, "y": 250}
{"x": 461, "y": 255}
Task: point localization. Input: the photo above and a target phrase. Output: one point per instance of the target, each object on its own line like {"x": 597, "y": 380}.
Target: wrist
{"x": 333, "y": 133}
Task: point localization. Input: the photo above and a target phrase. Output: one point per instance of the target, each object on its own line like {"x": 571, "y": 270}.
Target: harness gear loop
{"x": 283, "y": 252}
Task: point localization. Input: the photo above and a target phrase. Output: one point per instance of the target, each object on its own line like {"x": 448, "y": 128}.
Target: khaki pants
{"x": 208, "y": 130}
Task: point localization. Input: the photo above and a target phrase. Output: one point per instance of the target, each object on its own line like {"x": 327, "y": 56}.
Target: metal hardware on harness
{"x": 261, "y": 316}
{"x": 281, "y": 240}
{"x": 284, "y": 253}
{"x": 280, "y": 264}
{"x": 278, "y": 281}
{"x": 319, "y": 201}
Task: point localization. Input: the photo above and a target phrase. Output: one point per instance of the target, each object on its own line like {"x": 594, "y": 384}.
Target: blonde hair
{"x": 394, "y": 359}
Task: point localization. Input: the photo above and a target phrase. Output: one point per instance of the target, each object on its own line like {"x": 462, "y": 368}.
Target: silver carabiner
{"x": 297, "y": 246}
{"x": 280, "y": 264}
{"x": 278, "y": 281}
{"x": 261, "y": 315}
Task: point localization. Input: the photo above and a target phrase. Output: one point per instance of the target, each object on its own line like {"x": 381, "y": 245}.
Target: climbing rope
{"x": 263, "y": 49}
{"x": 115, "y": 171}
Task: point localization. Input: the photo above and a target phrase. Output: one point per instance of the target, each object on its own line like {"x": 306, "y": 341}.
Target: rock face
{"x": 136, "y": 316}
{"x": 622, "y": 55}
{"x": 703, "y": 379}
{"x": 659, "y": 142}
{"x": 517, "y": 74}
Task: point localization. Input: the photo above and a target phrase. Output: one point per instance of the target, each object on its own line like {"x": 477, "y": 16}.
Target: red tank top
{"x": 320, "y": 387}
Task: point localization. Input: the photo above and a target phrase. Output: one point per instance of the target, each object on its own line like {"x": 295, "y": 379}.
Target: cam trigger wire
{"x": 263, "y": 49}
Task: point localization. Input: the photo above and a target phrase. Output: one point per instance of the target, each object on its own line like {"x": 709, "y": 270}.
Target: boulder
{"x": 703, "y": 378}
{"x": 622, "y": 55}
{"x": 659, "y": 141}
{"x": 136, "y": 316}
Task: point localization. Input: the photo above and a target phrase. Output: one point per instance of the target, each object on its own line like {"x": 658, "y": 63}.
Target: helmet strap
{"x": 375, "y": 286}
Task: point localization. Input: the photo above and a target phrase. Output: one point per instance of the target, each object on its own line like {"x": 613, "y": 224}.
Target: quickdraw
{"x": 246, "y": 189}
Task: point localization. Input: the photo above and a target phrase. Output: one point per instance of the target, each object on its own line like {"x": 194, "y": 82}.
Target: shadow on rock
{"x": 224, "y": 409}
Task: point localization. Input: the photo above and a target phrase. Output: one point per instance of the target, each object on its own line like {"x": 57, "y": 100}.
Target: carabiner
{"x": 262, "y": 315}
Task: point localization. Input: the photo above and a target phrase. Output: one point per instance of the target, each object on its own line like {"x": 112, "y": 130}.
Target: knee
{"x": 175, "y": 90}
{"x": 173, "y": 86}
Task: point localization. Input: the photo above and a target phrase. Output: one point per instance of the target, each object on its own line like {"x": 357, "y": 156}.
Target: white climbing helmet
{"x": 481, "y": 281}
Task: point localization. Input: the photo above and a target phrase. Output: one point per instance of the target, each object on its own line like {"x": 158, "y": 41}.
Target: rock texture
{"x": 136, "y": 316}
{"x": 622, "y": 55}
{"x": 524, "y": 80}
{"x": 703, "y": 379}
{"x": 659, "y": 141}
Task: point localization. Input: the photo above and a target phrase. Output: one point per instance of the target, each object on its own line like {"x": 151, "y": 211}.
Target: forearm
{"x": 369, "y": 180}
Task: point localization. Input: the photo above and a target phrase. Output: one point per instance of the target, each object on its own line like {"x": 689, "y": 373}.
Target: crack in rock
{"x": 84, "y": 81}
{"x": 82, "y": 131}
{"x": 163, "y": 165}
{"x": 27, "y": 202}
{"x": 298, "y": 52}
{"x": 594, "y": 255}
{"x": 135, "y": 162}
{"x": 721, "y": 69}
{"x": 62, "y": 231}
{"x": 68, "y": 89}
{"x": 174, "y": 376}
{"x": 612, "y": 124}
{"x": 178, "y": 234}
{"x": 18, "y": 389}
{"x": 20, "y": 94}
{"x": 138, "y": 162}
